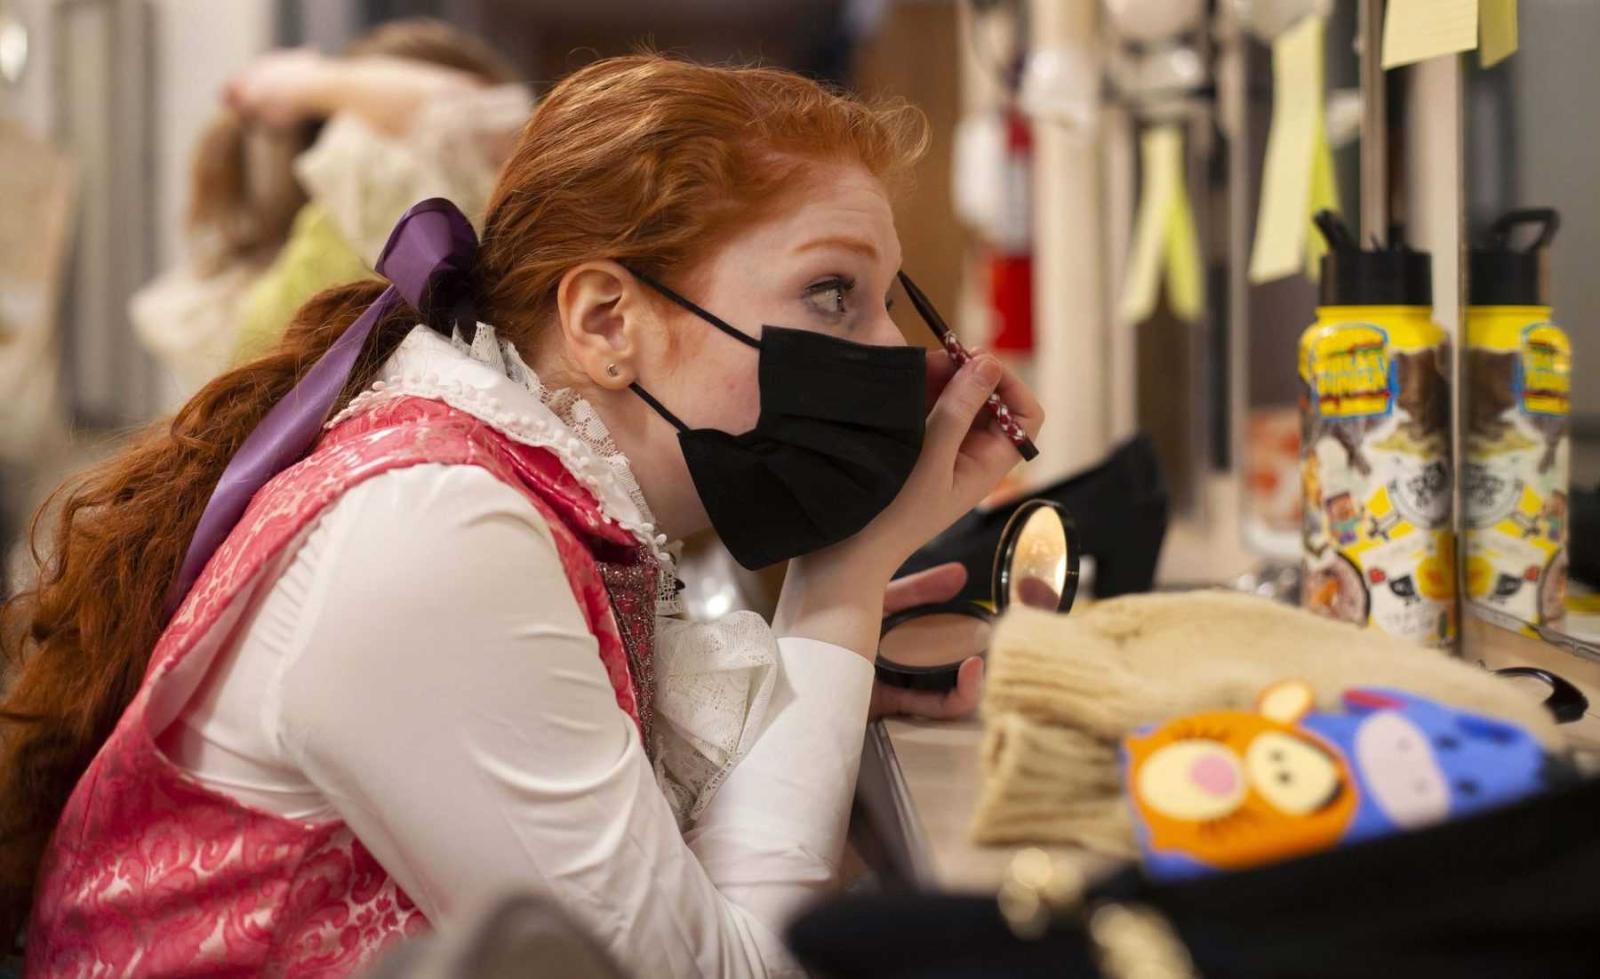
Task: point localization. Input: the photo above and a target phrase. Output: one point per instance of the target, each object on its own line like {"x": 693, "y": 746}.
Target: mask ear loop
{"x": 720, "y": 324}
{"x": 660, "y": 408}
{"x": 709, "y": 317}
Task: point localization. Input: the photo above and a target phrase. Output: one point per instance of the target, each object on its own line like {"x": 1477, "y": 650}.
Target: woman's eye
{"x": 831, "y": 297}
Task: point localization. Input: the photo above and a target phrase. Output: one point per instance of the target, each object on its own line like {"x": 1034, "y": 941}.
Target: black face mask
{"x": 840, "y": 430}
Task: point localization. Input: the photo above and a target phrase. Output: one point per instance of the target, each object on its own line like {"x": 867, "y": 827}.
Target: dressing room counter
{"x": 918, "y": 788}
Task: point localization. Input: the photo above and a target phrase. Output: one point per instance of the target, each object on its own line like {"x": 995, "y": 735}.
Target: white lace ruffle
{"x": 714, "y": 682}
{"x": 580, "y": 418}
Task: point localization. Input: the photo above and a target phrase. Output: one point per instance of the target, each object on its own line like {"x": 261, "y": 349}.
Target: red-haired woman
{"x": 382, "y": 624}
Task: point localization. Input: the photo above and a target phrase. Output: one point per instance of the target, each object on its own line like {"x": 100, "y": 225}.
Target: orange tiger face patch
{"x": 1231, "y": 789}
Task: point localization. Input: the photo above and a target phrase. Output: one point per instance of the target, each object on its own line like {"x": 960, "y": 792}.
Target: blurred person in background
{"x": 439, "y": 657}
{"x": 310, "y": 162}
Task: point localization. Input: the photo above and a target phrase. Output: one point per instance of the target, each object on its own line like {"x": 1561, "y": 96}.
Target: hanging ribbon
{"x": 428, "y": 259}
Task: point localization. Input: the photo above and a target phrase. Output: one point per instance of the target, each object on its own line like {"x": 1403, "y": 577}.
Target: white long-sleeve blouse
{"x": 420, "y": 670}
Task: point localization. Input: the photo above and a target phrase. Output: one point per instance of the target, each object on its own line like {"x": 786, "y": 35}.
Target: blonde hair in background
{"x": 243, "y": 195}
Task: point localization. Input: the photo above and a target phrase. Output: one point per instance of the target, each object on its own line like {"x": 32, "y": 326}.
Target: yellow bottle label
{"x": 1375, "y": 472}
{"x": 1546, "y": 382}
{"x": 1348, "y": 372}
{"x": 1514, "y": 480}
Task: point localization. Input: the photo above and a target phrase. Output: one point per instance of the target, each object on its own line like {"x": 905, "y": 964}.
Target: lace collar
{"x": 489, "y": 380}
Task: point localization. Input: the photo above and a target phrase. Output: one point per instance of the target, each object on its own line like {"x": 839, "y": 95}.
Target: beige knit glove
{"x": 1063, "y": 691}
{"x": 1050, "y": 784}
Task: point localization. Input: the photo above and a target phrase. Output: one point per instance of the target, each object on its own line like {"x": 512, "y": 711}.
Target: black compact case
{"x": 1035, "y": 564}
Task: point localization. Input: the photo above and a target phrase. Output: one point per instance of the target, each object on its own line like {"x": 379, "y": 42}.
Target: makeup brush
{"x": 960, "y": 355}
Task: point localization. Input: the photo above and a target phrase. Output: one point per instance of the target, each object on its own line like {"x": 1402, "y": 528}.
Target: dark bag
{"x": 1120, "y": 508}
{"x": 1510, "y": 893}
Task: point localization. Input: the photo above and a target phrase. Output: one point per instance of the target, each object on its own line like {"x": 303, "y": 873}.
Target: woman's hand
{"x": 282, "y": 88}
{"x": 964, "y": 457}
{"x": 834, "y": 595}
{"x": 937, "y": 584}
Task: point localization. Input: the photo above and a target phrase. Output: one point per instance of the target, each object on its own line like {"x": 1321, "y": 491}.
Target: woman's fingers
{"x": 277, "y": 89}
{"x": 1024, "y": 404}
{"x": 964, "y": 699}
{"x": 890, "y": 701}
{"x": 937, "y": 584}
{"x": 987, "y": 453}
{"x": 1017, "y": 396}
{"x": 959, "y": 403}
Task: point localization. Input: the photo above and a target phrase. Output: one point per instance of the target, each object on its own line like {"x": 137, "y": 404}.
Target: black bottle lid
{"x": 1500, "y": 275}
{"x": 1356, "y": 276}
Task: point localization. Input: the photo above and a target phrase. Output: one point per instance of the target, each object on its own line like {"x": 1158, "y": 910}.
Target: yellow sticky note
{"x": 1186, "y": 280}
{"x": 1498, "y": 31}
{"x": 1297, "y": 93}
{"x": 1415, "y": 30}
{"x": 1157, "y": 146}
{"x": 1164, "y": 236}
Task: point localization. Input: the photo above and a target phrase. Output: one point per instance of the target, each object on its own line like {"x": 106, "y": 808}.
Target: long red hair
{"x": 640, "y": 159}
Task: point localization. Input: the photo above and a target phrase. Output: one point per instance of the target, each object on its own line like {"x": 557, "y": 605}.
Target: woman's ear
{"x": 602, "y": 317}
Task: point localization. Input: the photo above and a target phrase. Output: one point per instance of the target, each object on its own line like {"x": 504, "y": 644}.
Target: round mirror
{"x": 1037, "y": 563}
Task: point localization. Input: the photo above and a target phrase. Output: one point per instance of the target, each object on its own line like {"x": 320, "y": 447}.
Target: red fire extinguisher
{"x": 1010, "y": 257}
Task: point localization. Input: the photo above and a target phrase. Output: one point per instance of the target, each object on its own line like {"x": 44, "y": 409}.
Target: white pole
{"x": 1070, "y": 297}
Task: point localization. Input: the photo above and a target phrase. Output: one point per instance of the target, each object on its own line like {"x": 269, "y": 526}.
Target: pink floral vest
{"x": 150, "y": 873}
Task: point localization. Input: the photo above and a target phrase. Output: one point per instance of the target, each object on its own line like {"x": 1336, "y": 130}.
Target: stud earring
{"x": 613, "y": 370}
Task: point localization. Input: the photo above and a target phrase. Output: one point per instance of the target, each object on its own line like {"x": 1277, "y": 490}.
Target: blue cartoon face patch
{"x": 1418, "y": 762}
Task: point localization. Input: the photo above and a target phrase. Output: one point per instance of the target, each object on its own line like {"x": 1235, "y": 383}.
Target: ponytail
{"x": 76, "y": 644}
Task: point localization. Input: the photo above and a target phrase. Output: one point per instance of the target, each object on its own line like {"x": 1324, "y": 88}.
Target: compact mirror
{"x": 1035, "y": 564}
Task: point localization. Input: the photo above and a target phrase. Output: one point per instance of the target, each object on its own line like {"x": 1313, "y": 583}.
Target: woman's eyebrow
{"x": 842, "y": 241}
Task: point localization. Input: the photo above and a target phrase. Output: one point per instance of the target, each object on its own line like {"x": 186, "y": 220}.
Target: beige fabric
{"x": 1136, "y": 942}
{"x": 1043, "y": 778}
{"x": 1064, "y": 690}
{"x": 190, "y": 321}
{"x": 38, "y": 184}
{"x": 454, "y": 148}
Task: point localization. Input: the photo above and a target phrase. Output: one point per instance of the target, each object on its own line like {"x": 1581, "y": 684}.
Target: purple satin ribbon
{"x": 428, "y": 259}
